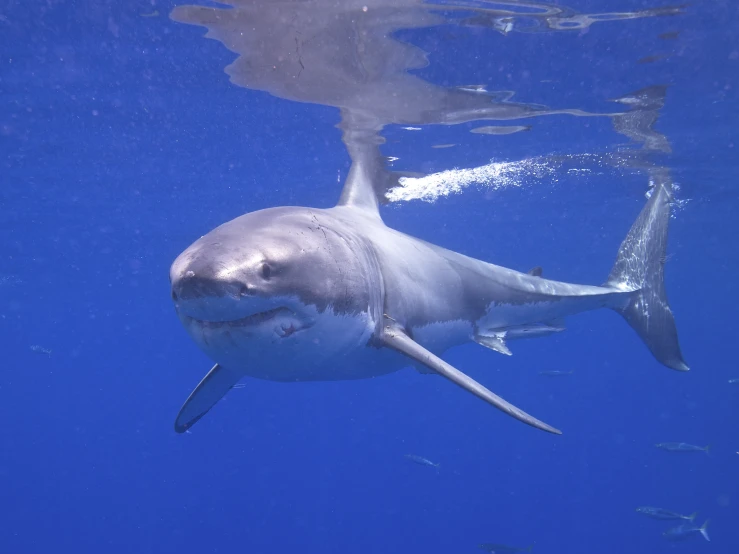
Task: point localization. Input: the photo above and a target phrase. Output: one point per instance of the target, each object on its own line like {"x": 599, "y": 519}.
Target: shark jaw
{"x": 285, "y": 340}
{"x": 278, "y": 322}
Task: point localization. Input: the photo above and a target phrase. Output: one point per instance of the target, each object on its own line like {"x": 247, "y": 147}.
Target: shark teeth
{"x": 254, "y": 319}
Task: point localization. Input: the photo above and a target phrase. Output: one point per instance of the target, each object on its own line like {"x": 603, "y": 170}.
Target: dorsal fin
{"x": 536, "y": 271}
{"x": 359, "y": 189}
{"x": 369, "y": 178}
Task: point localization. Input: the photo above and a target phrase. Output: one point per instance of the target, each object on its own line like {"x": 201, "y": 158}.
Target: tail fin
{"x": 704, "y": 532}
{"x": 692, "y": 516}
{"x": 639, "y": 267}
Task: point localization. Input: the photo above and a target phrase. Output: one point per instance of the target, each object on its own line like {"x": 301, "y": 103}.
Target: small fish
{"x": 495, "y": 339}
{"x": 442, "y": 145}
{"x": 659, "y": 513}
{"x": 503, "y": 549}
{"x": 155, "y": 13}
{"x": 682, "y": 447}
{"x": 411, "y": 128}
{"x": 500, "y": 129}
{"x": 40, "y": 349}
{"x": 670, "y": 35}
{"x": 528, "y": 331}
{"x": 422, "y": 461}
{"x": 686, "y": 530}
{"x": 734, "y": 381}
{"x": 556, "y": 372}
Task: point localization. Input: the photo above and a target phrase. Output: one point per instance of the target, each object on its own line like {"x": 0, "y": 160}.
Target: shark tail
{"x": 704, "y": 532}
{"x": 639, "y": 270}
{"x": 692, "y": 516}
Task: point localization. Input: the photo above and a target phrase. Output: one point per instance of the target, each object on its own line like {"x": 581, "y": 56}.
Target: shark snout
{"x": 206, "y": 297}
{"x": 191, "y": 286}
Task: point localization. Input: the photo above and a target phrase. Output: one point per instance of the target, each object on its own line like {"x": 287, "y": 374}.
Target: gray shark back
{"x": 425, "y": 283}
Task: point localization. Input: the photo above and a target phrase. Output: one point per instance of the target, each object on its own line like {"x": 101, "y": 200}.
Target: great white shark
{"x": 307, "y": 294}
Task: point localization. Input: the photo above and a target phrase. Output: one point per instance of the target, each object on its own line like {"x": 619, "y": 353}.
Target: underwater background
{"x": 122, "y": 141}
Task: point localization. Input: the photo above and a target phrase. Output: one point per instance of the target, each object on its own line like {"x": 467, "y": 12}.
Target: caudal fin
{"x": 704, "y": 532}
{"x": 640, "y": 268}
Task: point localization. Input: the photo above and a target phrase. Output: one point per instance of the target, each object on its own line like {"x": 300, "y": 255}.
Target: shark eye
{"x": 266, "y": 272}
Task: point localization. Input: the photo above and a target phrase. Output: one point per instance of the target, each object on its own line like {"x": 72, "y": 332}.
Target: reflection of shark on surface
{"x": 346, "y": 55}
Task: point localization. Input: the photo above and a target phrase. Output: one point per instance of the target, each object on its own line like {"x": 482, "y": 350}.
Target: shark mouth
{"x": 286, "y": 322}
{"x": 254, "y": 319}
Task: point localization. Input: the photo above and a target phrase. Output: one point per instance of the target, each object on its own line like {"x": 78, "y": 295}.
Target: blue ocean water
{"x": 123, "y": 141}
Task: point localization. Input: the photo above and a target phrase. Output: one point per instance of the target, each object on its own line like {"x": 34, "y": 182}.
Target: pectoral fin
{"x": 210, "y": 390}
{"x": 396, "y": 339}
{"x": 423, "y": 369}
{"x": 493, "y": 342}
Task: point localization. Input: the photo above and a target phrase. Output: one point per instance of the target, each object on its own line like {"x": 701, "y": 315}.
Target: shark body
{"x": 301, "y": 294}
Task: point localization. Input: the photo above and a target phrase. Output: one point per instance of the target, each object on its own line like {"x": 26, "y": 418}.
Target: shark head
{"x": 272, "y": 283}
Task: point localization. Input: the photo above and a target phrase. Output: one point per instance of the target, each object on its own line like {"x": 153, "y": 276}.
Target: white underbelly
{"x": 440, "y": 336}
{"x": 335, "y": 347}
